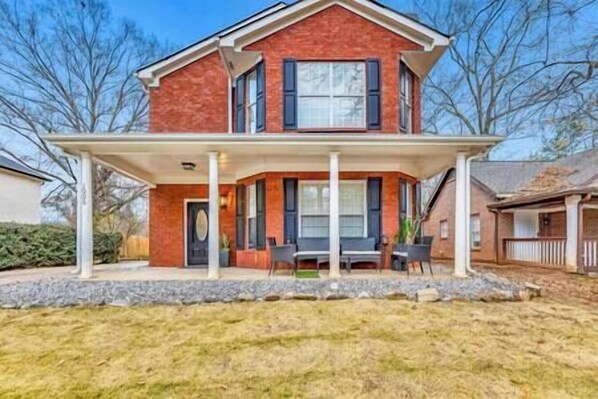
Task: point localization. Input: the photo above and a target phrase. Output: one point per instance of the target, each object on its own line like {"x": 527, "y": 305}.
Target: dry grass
{"x": 303, "y": 349}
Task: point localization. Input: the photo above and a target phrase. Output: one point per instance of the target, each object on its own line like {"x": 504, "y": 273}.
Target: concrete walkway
{"x": 140, "y": 271}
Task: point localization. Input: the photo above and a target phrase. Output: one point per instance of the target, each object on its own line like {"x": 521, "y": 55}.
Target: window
{"x": 252, "y": 215}
{"x": 331, "y": 94}
{"x": 474, "y": 228}
{"x": 409, "y": 202}
{"x": 314, "y": 206}
{"x": 444, "y": 232}
{"x": 251, "y": 110}
{"x": 406, "y": 99}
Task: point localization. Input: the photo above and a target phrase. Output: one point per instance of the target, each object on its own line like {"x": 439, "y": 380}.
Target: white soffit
{"x": 156, "y": 158}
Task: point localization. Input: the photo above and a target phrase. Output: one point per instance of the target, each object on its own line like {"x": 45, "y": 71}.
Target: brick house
{"x": 524, "y": 212}
{"x": 303, "y": 120}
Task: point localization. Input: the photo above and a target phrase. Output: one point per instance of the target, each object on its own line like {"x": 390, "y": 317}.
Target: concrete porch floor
{"x": 140, "y": 271}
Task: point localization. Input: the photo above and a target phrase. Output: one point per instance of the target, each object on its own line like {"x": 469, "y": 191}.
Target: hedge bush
{"x": 50, "y": 245}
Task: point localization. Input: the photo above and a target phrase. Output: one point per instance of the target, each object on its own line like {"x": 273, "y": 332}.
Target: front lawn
{"x": 302, "y": 349}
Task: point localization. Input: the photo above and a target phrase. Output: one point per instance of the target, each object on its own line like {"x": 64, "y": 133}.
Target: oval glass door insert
{"x": 201, "y": 225}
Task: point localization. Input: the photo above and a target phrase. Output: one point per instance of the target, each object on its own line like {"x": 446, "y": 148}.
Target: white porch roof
{"x": 156, "y": 158}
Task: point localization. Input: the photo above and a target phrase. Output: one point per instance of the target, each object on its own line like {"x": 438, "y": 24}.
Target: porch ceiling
{"x": 156, "y": 158}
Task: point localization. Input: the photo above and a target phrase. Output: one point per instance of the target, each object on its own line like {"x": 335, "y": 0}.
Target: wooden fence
{"x": 136, "y": 248}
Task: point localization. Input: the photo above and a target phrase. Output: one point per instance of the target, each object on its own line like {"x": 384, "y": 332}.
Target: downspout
{"x": 468, "y": 210}
{"x": 230, "y": 86}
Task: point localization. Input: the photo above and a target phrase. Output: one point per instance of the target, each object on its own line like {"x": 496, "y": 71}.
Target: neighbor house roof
{"x": 499, "y": 178}
{"x": 15, "y": 167}
{"x": 575, "y": 174}
{"x": 280, "y": 15}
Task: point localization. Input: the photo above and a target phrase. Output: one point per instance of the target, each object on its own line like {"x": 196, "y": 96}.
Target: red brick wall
{"x": 167, "y": 215}
{"x": 191, "y": 99}
{"x": 194, "y": 98}
{"x": 557, "y": 226}
{"x": 444, "y": 209}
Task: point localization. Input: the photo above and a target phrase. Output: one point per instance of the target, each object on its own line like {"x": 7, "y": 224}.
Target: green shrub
{"x": 50, "y": 245}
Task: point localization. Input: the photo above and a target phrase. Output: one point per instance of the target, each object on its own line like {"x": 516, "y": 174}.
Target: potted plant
{"x": 408, "y": 229}
{"x": 224, "y": 250}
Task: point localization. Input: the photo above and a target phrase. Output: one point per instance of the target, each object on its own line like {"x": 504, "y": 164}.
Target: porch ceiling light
{"x": 188, "y": 166}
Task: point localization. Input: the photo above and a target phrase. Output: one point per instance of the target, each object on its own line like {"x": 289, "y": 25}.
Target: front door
{"x": 197, "y": 233}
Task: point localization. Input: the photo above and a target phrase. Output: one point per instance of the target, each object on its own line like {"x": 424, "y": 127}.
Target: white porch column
{"x": 572, "y": 206}
{"x": 468, "y": 214}
{"x": 78, "y": 209}
{"x": 86, "y": 207}
{"x": 213, "y": 225}
{"x": 460, "y": 216}
{"x": 334, "y": 233}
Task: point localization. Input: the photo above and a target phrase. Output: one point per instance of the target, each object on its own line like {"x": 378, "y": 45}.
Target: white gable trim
{"x": 388, "y": 19}
{"x": 151, "y": 74}
{"x": 281, "y": 16}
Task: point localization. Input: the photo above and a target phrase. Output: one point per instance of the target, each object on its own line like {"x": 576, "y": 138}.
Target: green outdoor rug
{"x": 307, "y": 274}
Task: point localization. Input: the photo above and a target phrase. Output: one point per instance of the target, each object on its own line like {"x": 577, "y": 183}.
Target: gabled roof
{"x": 281, "y": 15}
{"x": 15, "y": 167}
{"x": 498, "y": 178}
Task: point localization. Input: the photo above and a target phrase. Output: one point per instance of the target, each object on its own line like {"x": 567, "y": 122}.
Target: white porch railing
{"x": 590, "y": 253}
{"x": 545, "y": 251}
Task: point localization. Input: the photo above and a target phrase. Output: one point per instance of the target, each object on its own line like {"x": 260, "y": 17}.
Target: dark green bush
{"x": 50, "y": 245}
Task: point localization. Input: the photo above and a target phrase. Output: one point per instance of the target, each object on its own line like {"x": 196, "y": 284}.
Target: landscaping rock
{"x": 335, "y": 297}
{"x": 73, "y": 292}
{"x": 498, "y": 296}
{"x": 428, "y": 295}
{"x": 397, "y": 296}
{"x": 272, "y": 298}
{"x": 533, "y": 289}
{"x": 364, "y": 295}
{"x": 524, "y": 296}
{"x": 119, "y": 303}
{"x": 305, "y": 297}
{"x": 246, "y": 297}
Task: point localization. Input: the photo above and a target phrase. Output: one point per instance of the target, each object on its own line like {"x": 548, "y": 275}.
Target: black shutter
{"x": 260, "y": 190}
{"x": 402, "y": 199}
{"x": 261, "y": 98}
{"x": 374, "y": 204}
{"x": 373, "y": 88}
{"x": 240, "y": 215}
{"x": 240, "y": 105}
{"x": 289, "y": 93}
{"x": 290, "y": 210}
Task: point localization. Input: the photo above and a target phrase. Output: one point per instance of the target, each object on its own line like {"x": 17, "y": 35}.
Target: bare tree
{"x": 513, "y": 64}
{"x": 67, "y": 67}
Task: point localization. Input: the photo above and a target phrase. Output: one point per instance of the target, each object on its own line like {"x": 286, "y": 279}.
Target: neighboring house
{"x": 525, "y": 212}
{"x": 20, "y": 193}
{"x": 303, "y": 120}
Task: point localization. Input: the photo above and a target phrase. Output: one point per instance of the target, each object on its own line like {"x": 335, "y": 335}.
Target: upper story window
{"x": 331, "y": 95}
{"x": 251, "y": 103}
{"x": 406, "y": 99}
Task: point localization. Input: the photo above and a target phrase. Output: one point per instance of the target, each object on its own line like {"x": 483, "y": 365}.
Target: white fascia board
{"x": 150, "y": 76}
{"x": 273, "y": 138}
{"x": 428, "y": 38}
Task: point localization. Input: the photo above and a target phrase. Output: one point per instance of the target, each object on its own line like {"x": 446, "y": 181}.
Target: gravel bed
{"x": 71, "y": 292}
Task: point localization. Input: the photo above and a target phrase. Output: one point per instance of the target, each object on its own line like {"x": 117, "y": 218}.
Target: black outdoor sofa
{"x": 353, "y": 250}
